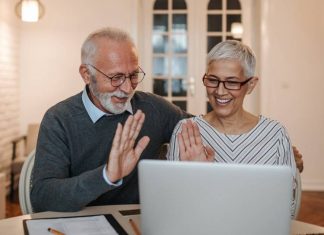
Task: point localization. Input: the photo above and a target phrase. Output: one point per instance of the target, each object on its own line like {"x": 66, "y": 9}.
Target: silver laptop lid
{"x": 208, "y": 198}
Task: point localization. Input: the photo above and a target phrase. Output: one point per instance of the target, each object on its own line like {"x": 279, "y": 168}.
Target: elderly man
{"x": 81, "y": 160}
{"x": 89, "y": 144}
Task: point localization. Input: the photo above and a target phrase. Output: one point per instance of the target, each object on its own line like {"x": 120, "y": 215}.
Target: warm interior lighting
{"x": 237, "y": 30}
{"x": 30, "y": 10}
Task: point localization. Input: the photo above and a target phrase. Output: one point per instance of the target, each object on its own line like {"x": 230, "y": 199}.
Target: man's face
{"x": 112, "y": 58}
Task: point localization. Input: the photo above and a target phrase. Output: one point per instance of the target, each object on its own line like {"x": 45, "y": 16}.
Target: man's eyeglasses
{"x": 120, "y": 78}
{"x": 213, "y": 82}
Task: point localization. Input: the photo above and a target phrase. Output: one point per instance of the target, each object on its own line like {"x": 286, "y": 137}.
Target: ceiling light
{"x": 30, "y": 10}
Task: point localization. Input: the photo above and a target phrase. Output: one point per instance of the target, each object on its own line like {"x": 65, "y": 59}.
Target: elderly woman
{"x": 228, "y": 133}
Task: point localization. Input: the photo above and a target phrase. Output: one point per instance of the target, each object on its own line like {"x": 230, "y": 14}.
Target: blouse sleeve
{"x": 286, "y": 152}
{"x": 173, "y": 151}
{"x": 288, "y": 159}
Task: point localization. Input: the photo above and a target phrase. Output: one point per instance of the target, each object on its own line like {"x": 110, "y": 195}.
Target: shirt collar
{"x": 94, "y": 112}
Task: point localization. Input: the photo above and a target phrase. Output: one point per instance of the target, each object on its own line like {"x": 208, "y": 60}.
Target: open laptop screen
{"x": 208, "y": 198}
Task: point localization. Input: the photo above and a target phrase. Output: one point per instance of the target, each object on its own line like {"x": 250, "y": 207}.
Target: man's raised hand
{"x": 124, "y": 155}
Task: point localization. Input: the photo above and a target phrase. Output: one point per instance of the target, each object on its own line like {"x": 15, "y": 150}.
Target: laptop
{"x": 214, "y": 198}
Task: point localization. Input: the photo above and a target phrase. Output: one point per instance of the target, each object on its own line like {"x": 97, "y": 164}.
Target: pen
{"x": 134, "y": 226}
{"x": 54, "y": 231}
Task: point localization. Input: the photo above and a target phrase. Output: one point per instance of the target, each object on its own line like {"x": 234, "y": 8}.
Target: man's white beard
{"x": 105, "y": 99}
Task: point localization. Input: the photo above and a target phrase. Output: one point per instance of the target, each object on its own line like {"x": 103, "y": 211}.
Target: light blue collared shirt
{"x": 95, "y": 114}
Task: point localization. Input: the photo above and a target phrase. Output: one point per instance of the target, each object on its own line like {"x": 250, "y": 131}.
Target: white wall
{"x": 292, "y": 77}
{"x": 251, "y": 24}
{"x": 9, "y": 82}
{"x": 50, "y": 49}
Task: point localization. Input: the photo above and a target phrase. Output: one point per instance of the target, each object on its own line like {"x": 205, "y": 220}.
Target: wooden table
{"x": 14, "y": 225}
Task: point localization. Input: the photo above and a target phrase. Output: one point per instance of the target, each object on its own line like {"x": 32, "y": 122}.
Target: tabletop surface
{"x": 122, "y": 213}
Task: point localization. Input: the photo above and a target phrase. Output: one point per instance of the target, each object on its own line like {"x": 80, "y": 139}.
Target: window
{"x": 179, "y": 34}
{"x": 170, "y": 50}
{"x": 220, "y": 16}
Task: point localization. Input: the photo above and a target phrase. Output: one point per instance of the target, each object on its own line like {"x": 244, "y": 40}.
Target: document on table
{"x": 88, "y": 225}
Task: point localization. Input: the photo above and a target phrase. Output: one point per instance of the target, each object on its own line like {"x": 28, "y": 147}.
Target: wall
{"x": 50, "y": 49}
{"x": 292, "y": 73}
{"x": 251, "y": 12}
{"x": 9, "y": 81}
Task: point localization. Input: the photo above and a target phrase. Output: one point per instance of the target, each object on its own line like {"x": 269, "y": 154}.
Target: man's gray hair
{"x": 89, "y": 47}
{"x": 234, "y": 50}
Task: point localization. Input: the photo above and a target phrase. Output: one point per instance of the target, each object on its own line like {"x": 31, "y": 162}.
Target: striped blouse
{"x": 267, "y": 143}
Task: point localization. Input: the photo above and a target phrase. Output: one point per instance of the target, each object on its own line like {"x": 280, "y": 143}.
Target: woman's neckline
{"x": 250, "y": 124}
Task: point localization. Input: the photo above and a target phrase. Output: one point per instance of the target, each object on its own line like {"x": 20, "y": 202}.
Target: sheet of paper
{"x": 89, "y": 225}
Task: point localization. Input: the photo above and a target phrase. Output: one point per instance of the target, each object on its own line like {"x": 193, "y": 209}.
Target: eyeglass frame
{"x": 120, "y": 74}
{"x": 225, "y": 82}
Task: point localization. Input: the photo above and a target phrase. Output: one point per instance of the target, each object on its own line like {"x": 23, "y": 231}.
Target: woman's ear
{"x": 251, "y": 84}
{"x": 84, "y": 72}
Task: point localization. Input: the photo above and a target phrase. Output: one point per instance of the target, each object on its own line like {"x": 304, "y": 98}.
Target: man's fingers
{"x": 139, "y": 121}
{"x": 136, "y": 127}
{"x": 117, "y": 137}
{"x": 141, "y": 145}
{"x": 129, "y": 138}
{"x": 126, "y": 130}
{"x": 112, "y": 161}
{"x": 136, "y": 119}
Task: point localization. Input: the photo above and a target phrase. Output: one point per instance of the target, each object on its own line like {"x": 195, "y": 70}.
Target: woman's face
{"x": 227, "y": 103}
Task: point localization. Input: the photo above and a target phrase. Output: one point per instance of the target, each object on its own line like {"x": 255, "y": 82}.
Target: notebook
{"x": 213, "y": 198}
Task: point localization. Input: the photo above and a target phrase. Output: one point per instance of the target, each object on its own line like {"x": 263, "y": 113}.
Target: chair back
{"x": 163, "y": 151}
{"x": 32, "y": 135}
{"x": 25, "y": 184}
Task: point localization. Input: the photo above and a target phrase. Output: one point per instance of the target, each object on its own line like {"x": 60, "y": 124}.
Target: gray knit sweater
{"x": 72, "y": 151}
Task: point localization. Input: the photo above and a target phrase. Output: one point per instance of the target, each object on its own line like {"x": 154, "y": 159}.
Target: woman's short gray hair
{"x": 234, "y": 50}
{"x": 89, "y": 46}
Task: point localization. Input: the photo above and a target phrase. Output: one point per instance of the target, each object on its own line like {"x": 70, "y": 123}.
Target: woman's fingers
{"x": 210, "y": 153}
{"x": 190, "y": 142}
{"x": 185, "y": 136}
{"x": 182, "y": 148}
{"x": 196, "y": 134}
{"x": 190, "y": 129}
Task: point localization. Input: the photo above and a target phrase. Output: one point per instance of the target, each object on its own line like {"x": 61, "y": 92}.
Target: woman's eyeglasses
{"x": 213, "y": 82}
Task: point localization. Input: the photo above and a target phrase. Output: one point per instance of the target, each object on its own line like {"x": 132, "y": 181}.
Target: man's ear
{"x": 84, "y": 72}
{"x": 252, "y": 84}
